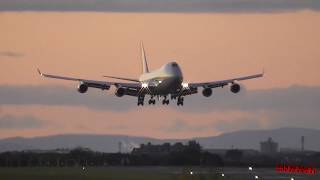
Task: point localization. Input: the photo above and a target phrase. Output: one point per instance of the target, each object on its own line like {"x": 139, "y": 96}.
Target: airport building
{"x": 269, "y": 146}
{"x": 164, "y": 149}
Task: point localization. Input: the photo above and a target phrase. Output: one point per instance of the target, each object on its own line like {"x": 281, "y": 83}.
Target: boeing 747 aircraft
{"x": 161, "y": 83}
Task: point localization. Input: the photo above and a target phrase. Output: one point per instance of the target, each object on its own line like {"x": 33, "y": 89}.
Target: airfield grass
{"x": 141, "y": 173}
{"x": 102, "y": 173}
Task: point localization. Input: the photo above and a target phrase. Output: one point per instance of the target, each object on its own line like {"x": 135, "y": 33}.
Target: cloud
{"x": 250, "y": 121}
{"x": 60, "y": 95}
{"x": 238, "y": 124}
{"x": 182, "y": 126}
{"x": 12, "y": 122}
{"x": 294, "y": 98}
{"x": 291, "y": 99}
{"x": 295, "y": 106}
{"x": 160, "y": 5}
{"x": 10, "y": 54}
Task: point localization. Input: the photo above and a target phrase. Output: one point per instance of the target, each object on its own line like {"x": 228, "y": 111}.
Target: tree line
{"x": 193, "y": 157}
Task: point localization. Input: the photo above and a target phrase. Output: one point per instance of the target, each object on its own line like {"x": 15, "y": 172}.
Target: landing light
{"x": 185, "y": 85}
{"x": 160, "y": 82}
{"x": 144, "y": 85}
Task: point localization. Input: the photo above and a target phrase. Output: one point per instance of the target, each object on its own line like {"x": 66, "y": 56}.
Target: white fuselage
{"x": 166, "y": 80}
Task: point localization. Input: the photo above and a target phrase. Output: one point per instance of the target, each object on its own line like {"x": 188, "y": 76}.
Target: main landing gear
{"x": 140, "y": 100}
{"x": 180, "y": 101}
{"x": 165, "y": 101}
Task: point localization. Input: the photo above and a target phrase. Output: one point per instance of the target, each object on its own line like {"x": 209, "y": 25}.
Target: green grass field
{"x": 103, "y": 173}
{"x": 138, "y": 173}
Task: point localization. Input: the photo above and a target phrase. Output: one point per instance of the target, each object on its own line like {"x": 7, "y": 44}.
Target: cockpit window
{"x": 174, "y": 64}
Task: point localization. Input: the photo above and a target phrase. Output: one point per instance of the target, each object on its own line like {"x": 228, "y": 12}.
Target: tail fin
{"x": 145, "y": 68}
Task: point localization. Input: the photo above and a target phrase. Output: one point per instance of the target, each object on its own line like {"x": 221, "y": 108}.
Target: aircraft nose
{"x": 174, "y": 69}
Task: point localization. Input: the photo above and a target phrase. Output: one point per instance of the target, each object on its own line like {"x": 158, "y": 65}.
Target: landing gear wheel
{"x": 165, "y": 101}
{"x": 180, "y": 101}
{"x": 141, "y": 100}
{"x": 152, "y": 101}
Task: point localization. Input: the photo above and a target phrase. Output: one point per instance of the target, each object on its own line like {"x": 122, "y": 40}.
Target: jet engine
{"x": 207, "y": 92}
{"x": 82, "y": 88}
{"x": 235, "y": 88}
{"x": 120, "y": 92}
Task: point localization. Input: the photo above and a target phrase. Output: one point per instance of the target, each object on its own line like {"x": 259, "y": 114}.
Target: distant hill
{"x": 249, "y": 139}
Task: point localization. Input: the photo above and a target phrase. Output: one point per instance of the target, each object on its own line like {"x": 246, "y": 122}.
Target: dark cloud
{"x": 12, "y": 122}
{"x": 10, "y": 54}
{"x": 294, "y": 98}
{"x": 160, "y": 5}
{"x": 295, "y": 106}
{"x": 59, "y": 95}
{"x": 258, "y": 120}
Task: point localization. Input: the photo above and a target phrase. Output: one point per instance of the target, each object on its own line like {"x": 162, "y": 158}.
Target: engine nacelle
{"x": 120, "y": 91}
{"x": 82, "y": 88}
{"x": 207, "y": 92}
{"x": 235, "y": 88}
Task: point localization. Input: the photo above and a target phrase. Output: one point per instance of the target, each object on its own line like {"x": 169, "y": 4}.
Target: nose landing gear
{"x": 152, "y": 101}
{"x": 165, "y": 101}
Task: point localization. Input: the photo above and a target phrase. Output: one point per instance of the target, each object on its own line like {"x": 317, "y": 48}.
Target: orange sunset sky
{"x": 207, "y": 46}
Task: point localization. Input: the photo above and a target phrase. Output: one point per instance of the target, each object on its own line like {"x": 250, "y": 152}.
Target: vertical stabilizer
{"x": 145, "y": 68}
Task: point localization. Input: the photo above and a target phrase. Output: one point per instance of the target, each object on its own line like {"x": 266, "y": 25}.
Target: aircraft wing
{"x": 104, "y": 85}
{"x": 222, "y": 83}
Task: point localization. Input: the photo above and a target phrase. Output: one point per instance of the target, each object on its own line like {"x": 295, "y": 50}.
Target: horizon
{"x": 110, "y": 143}
{"x": 124, "y": 135}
